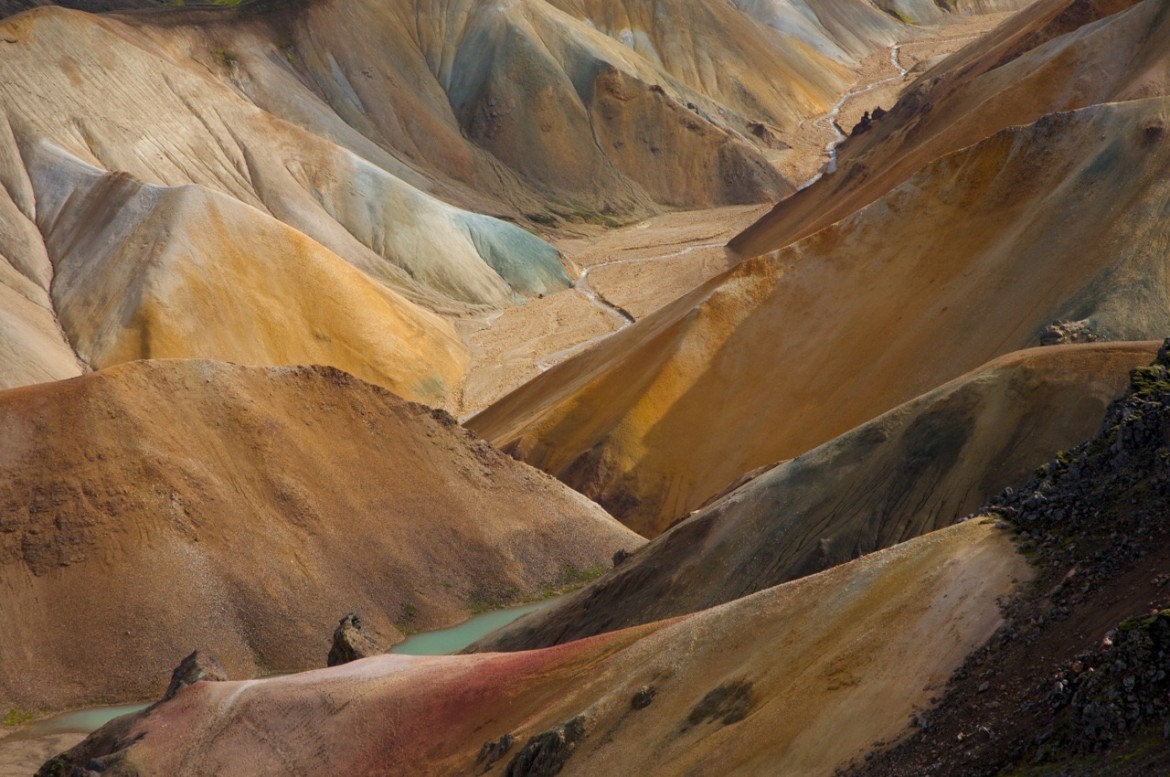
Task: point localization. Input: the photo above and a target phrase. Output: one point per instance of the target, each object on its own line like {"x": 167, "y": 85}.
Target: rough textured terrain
{"x": 158, "y": 507}
{"x": 1075, "y": 682}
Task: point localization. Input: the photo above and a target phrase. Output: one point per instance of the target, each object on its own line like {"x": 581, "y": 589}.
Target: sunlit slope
{"x": 968, "y": 260}
{"x": 154, "y": 272}
{"x": 536, "y": 108}
{"x": 1056, "y": 56}
{"x": 794, "y": 680}
{"x": 910, "y": 471}
{"x": 159, "y": 507}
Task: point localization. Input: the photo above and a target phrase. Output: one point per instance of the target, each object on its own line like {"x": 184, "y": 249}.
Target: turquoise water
{"x": 454, "y": 639}
{"x": 81, "y": 721}
{"x": 432, "y": 643}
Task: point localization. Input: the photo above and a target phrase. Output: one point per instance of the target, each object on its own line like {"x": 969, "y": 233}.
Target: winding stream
{"x": 829, "y": 120}
{"x": 625, "y": 319}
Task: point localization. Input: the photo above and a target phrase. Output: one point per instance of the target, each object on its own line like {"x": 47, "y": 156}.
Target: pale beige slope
{"x": 152, "y": 272}
{"x": 1058, "y": 55}
{"x": 125, "y": 101}
{"x": 823, "y": 668}
{"x": 33, "y": 348}
{"x": 913, "y": 470}
{"x": 968, "y": 260}
{"x": 158, "y": 507}
{"x": 846, "y": 30}
{"x": 514, "y": 101}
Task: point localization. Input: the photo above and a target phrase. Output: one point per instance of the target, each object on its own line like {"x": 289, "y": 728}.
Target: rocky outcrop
{"x": 195, "y": 668}
{"x": 1101, "y": 697}
{"x": 492, "y": 751}
{"x": 1066, "y": 332}
{"x": 546, "y": 753}
{"x": 1068, "y": 513}
{"x": 350, "y": 643}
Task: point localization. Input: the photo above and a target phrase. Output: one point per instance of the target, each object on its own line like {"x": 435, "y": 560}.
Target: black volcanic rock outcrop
{"x": 196, "y": 667}
{"x": 350, "y": 643}
{"x": 1076, "y": 681}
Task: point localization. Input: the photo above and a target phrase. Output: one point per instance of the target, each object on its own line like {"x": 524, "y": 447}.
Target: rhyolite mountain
{"x": 363, "y": 186}
{"x": 969, "y": 258}
{"x": 419, "y": 144}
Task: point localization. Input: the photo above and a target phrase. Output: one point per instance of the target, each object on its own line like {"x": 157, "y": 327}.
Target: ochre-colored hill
{"x": 158, "y": 507}
{"x": 910, "y": 471}
{"x": 794, "y": 680}
{"x": 968, "y": 260}
{"x": 149, "y": 272}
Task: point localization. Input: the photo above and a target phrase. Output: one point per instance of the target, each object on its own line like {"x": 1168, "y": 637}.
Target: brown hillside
{"x": 158, "y": 507}
{"x": 1049, "y": 58}
{"x": 969, "y": 260}
{"x": 913, "y": 470}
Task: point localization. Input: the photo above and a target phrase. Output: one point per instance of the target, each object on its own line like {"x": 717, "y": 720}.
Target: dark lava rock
{"x": 350, "y": 643}
{"x": 729, "y": 703}
{"x": 1099, "y": 698}
{"x": 546, "y": 753}
{"x": 644, "y": 697}
{"x": 494, "y": 750}
{"x": 193, "y": 669}
{"x": 1053, "y": 696}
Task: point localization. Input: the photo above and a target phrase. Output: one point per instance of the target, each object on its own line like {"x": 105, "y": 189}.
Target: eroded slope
{"x": 915, "y": 469}
{"x": 971, "y": 258}
{"x": 157, "y": 507}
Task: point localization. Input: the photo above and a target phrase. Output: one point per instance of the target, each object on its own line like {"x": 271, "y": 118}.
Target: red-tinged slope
{"x": 793, "y": 680}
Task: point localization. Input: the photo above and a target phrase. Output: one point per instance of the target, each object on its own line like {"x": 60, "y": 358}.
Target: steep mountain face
{"x": 978, "y": 250}
{"x": 913, "y": 470}
{"x": 158, "y": 507}
{"x": 833, "y": 664}
{"x": 845, "y": 31}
